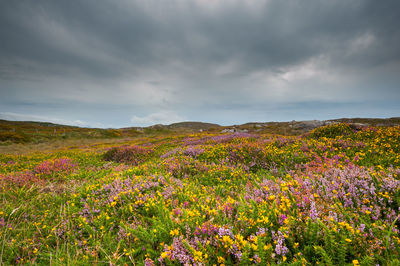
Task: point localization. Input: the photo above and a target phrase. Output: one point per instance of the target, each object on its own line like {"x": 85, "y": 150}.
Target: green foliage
{"x": 332, "y": 131}
{"x": 367, "y": 261}
{"x": 327, "y": 260}
{"x": 341, "y": 252}
{"x": 18, "y": 137}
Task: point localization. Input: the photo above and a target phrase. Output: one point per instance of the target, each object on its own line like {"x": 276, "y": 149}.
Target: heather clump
{"x": 132, "y": 155}
{"x": 50, "y": 167}
{"x": 51, "y": 170}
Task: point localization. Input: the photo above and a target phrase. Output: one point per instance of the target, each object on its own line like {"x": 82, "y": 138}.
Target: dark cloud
{"x": 153, "y": 59}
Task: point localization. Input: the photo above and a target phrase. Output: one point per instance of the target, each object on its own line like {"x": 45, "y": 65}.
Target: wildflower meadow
{"x": 330, "y": 196}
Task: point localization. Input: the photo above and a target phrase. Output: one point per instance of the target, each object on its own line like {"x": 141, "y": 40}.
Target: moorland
{"x": 290, "y": 193}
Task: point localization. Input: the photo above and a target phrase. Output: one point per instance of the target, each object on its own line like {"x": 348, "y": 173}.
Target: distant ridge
{"x": 187, "y": 125}
{"x": 28, "y": 131}
{"x": 35, "y": 123}
{"x": 193, "y": 125}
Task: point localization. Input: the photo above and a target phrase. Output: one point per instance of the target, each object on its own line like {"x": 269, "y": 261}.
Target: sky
{"x": 122, "y": 63}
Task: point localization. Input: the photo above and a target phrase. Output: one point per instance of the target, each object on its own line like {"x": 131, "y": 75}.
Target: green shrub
{"x": 332, "y": 131}
{"x": 14, "y": 137}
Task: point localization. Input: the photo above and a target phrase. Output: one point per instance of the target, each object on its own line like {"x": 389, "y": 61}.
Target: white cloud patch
{"x": 292, "y": 84}
{"x": 163, "y": 117}
{"x": 361, "y": 43}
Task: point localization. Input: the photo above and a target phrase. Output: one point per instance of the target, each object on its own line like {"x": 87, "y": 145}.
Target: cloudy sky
{"x": 119, "y": 63}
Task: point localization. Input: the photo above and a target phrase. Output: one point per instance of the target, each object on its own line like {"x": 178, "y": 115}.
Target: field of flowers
{"x": 329, "y": 197}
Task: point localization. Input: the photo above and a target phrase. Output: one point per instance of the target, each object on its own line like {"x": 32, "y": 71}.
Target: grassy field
{"x": 330, "y": 196}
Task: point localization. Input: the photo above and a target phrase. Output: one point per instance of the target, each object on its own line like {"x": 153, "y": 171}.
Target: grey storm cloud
{"x": 213, "y": 60}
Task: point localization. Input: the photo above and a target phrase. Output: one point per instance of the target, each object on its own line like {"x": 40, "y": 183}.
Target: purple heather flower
{"x": 280, "y": 248}
{"x": 313, "y": 211}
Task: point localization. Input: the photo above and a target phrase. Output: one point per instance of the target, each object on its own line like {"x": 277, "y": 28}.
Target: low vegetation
{"x": 330, "y": 196}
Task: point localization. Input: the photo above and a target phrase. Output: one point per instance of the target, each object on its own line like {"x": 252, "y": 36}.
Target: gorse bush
{"x": 332, "y": 131}
{"x": 18, "y": 137}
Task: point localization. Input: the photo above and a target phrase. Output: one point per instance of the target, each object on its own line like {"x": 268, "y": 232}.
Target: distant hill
{"x": 28, "y": 131}
{"x": 31, "y": 124}
{"x": 300, "y": 127}
{"x": 175, "y": 127}
{"x": 393, "y": 121}
{"x": 193, "y": 125}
